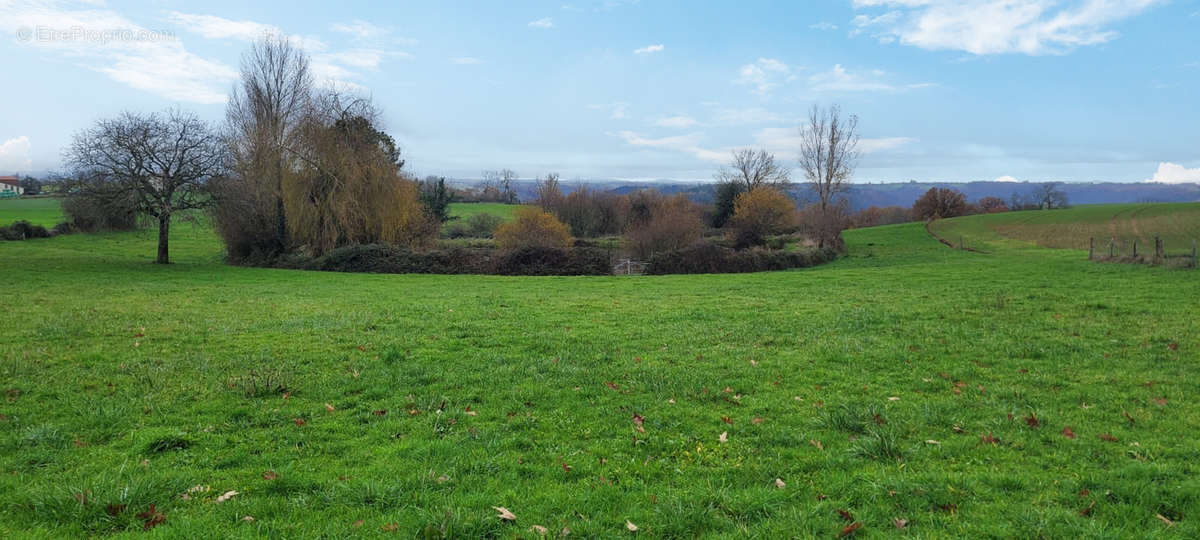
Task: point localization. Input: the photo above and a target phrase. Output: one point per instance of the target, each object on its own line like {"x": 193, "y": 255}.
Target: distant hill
{"x": 904, "y": 193}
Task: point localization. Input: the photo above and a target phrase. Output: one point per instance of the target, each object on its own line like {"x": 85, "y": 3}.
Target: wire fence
{"x": 1157, "y": 251}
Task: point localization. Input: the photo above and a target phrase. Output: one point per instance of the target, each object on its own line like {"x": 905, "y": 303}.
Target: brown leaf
{"x": 380, "y": 412}
{"x": 114, "y": 509}
{"x": 540, "y": 530}
{"x": 1173, "y": 346}
{"x": 299, "y": 421}
{"x": 1161, "y": 401}
{"x": 1032, "y": 421}
{"x": 612, "y": 385}
{"x": 152, "y": 517}
{"x": 727, "y": 420}
{"x": 900, "y": 523}
{"x": 83, "y": 497}
{"x": 988, "y": 438}
{"x": 1127, "y": 417}
{"x": 816, "y": 443}
{"x": 414, "y": 412}
{"x": 630, "y": 526}
{"x": 637, "y": 422}
{"x": 389, "y": 527}
{"x": 849, "y": 529}
{"x": 756, "y": 421}
{"x": 1068, "y": 433}
{"x": 270, "y": 475}
{"x": 1087, "y": 511}
{"x": 357, "y": 523}
{"x": 845, "y": 514}
{"x": 504, "y": 514}
{"x": 329, "y": 407}
{"x": 1108, "y": 437}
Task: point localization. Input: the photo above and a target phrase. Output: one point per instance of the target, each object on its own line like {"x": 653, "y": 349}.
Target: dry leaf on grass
{"x": 779, "y": 483}
{"x": 630, "y": 526}
{"x": 504, "y": 514}
{"x": 900, "y": 523}
{"x": 724, "y": 436}
{"x": 226, "y": 496}
{"x": 849, "y": 529}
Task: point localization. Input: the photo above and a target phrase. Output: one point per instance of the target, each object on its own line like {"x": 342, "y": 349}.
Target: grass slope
{"x": 1178, "y": 224}
{"x": 39, "y": 211}
{"x": 466, "y": 210}
{"x": 338, "y": 404}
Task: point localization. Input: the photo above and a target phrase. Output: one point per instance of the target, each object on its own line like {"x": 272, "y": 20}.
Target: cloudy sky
{"x": 1076, "y": 90}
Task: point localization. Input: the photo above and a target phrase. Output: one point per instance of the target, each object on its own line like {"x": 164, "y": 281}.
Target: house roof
{"x": 11, "y": 180}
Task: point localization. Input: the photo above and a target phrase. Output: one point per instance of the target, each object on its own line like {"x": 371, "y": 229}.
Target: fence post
{"x": 1193, "y": 253}
{"x": 1091, "y": 247}
{"x": 1157, "y": 247}
{"x": 1112, "y": 247}
{"x": 1135, "y": 247}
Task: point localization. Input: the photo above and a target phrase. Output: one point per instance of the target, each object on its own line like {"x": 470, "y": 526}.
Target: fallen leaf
{"x": 1164, "y": 519}
{"x": 637, "y": 422}
{"x": 1087, "y": 511}
{"x": 630, "y": 526}
{"x": 894, "y": 398}
{"x": 114, "y": 509}
{"x": 757, "y": 421}
{"x": 671, "y": 401}
{"x": 1032, "y": 421}
{"x": 357, "y": 523}
{"x": 389, "y": 527}
{"x": 931, "y": 441}
{"x": 727, "y": 420}
{"x": 539, "y": 529}
{"x": 270, "y": 475}
{"x": 1068, "y": 433}
{"x": 1127, "y": 417}
{"x": 1108, "y": 437}
{"x": 845, "y": 514}
{"x": 724, "y": 436}
{"x": 849, "y": 529}
{"x": 248, "y": 519}
{"x": 988, "y": 438}
{"x": 1161, "y": 402}
{"x": 779, "y": 483}
{"x": 612, "y": 385}
{"x": 504, "y": 514}
{"x": 816, "y": 443}
{"x": 226, "y": 496}
{"x": 329, "y": 407}
{"x": 299, "y": 421}
{"x": 469, "y": 412}
{"x": 1173, "y": 346}
{"x": 380, "y": 412}
{"x": 152, "y": 517}
{"x": 900, "y": 523}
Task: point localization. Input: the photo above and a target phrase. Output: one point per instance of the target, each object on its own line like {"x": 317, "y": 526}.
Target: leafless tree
{"x": 507, "y": 177}
{"x": 828, "y": 152}
{"x": 162, "y": 161}
{"x": 752, "y": 169}
{"x": 263, "y": 117}
{"x": 1048, "y": 197}
{"x": 549, "y": 193}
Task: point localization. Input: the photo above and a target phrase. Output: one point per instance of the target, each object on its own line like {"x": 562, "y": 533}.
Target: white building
{"x": 10, "y": 186}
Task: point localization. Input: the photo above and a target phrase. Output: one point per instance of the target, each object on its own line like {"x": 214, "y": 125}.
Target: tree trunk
{"x": 164, "y": 230}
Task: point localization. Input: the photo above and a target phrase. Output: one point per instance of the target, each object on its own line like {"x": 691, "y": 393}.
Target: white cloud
{"x": 823, "y": 26}
{"x": 366, "y": 33}
{"x": 544, "y": 22}
{"x": 839, "y": 79}
{"x": 765, "y": 74}
{"x": 213, "y": 27}
{"x": 104, "y": 41}
{"x": 746, "y": 116}
{"x": 465, "y": 60}
{"x": 689, "y": 144}
{"x": 14, "y": 156}
{"x": 786, "y": 141}
{"x": 681, "y": 121}
{"x": 1006, "y": 178}
{"x": 1171, "y": 173}
{"x": 981, "y": 27}
{"x": 649, "y": 49}
{"x": 616, "y": 110}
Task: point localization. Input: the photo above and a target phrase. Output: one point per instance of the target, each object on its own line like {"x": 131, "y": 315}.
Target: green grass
{"x": 40, "y": 211}
{"x": 466, "y": 210}
{"x": 128, "y": 383}
{"x": 1177, "y": 224}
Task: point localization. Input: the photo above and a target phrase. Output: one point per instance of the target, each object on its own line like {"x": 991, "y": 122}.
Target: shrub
{"x": 661, "y": 223}
{"x": 593, "y": 213}
{"x": 533, "y": 228}
{"x": 991, "y": 205}
{"x": 92, "y": 214}
{"x": 542, "y": 261}
{"x": 708, "y": 258}
{"x": 825, "y": 226}
{"x": 759, "y": 213}
{"x": 23, "y": 230}
{"x": 483, "y": 225}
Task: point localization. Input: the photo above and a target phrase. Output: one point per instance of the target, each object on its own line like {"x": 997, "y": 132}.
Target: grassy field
{"x": 40, "y": 211}
{"x": 1178, "y": 224}
{"x": 966, "y": 394}
{"x": 466, "y": 210}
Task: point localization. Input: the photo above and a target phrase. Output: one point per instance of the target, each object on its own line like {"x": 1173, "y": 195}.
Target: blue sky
{"x": 1075, "y": 90}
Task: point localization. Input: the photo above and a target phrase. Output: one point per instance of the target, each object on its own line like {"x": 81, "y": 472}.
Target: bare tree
{"x": 163, "y": 162}
{"x": 263, "y": 117}
{"x": 828, "y": 152}
{"x": 507, "y": 177}
{"x": 549, "y": 193}
{"x": 752, "y": 169}
{"x": 1047, "y": 196}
